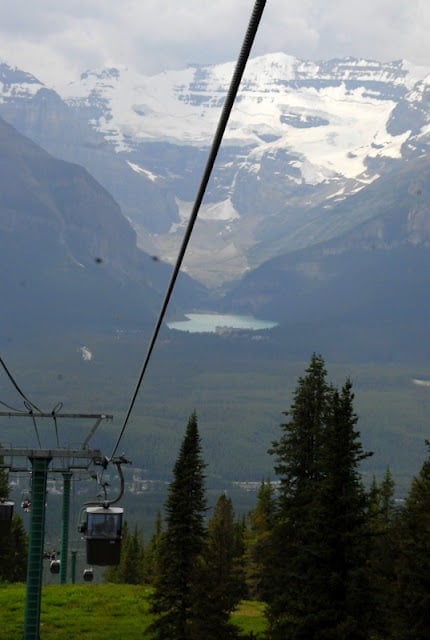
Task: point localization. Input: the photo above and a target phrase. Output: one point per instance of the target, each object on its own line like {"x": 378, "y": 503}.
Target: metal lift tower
{"x": 40, "y": 462}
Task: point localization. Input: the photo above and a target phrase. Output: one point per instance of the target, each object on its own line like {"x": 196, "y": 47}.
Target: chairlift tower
{"x": 40, "y": 462}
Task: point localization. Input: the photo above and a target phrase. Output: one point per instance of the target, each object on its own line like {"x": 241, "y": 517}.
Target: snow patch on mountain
{"x": 214, "y": 211}
{"x": 15, "y": 83}
{"x": 138, "y": 169}
{"x": 331, "y": 116}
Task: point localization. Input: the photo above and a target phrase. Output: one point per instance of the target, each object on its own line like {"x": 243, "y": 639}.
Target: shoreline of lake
{"x": 215, "y": 322}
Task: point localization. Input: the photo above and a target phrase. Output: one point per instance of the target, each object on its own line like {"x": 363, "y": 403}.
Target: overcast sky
{"x": 65, "y": 37}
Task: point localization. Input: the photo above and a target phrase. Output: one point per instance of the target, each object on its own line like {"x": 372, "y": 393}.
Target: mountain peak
{"x": 14, "y": 82}
{"x": 303, "y": 136}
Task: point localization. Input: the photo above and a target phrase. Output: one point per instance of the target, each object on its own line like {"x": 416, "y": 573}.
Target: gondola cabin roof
{"x": 6, "y": 516}
{"x": 88, "y": 575}
{"x": 6, "y": 509}
{"x": 107, "y": 510}
{"x": 54, "y": 566}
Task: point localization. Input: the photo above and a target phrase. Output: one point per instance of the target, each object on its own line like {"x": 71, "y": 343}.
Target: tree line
{"x": 331, "y": 558}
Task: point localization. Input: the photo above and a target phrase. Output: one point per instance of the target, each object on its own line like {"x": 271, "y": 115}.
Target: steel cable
{"x": 225, "y": 114}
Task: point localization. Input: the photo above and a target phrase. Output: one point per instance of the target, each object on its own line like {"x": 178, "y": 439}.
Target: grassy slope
{"x": 96, "y": 612}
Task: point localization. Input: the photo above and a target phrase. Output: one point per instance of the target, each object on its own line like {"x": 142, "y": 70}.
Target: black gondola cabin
{"x": 54, "y": 566}
{"x": 88, "y": 575}
{"x": 102, "y": 530}
{"x": 6, "y": 515}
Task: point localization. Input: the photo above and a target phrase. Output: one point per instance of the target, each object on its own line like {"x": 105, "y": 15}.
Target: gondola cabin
{"x": 6, "y": 516}
{"x": 88, "y": 575}
{"x": 54, "y": 566}
{"x": 102, "y": 529}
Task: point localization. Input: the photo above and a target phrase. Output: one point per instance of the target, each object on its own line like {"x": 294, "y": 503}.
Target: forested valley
{"x": 329, "y": 556}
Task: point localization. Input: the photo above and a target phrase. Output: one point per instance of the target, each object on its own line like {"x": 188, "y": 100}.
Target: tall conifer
{"x": 413, "y": 571}
{"x": 258, "y": 535}
{"x": 181, "y": 546}
{"x": 318, "y": 553}
{"x": 221, "y": 582}
{"x": 382, "y": 558}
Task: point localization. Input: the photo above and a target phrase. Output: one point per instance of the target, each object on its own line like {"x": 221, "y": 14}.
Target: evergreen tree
{"x": 383, "y": 523}
{"x": 413, "y": 570}
{"x": 130, "y": 568}
{"x": 151, "y": 555}
{"x": 344, "y": 532}
{"x": 221, "y": 582}
{"x": 258, "y": 538}
{"x": 317, "y": 569}
{"x": 13, "y": 554}
{"x": 4, "y": 487}
{"x": 175, "y": 598}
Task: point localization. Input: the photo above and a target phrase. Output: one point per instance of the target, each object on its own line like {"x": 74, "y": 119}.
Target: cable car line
{"x": 35, "y": 427}
{"x": 101, "y": 525}
{"x": 8, "y": 406}
{"x": 55, "y": 410}
{"x": 15, "y": 384}
{"x": 222, "y": 124}
{"x": 27, "y": 403}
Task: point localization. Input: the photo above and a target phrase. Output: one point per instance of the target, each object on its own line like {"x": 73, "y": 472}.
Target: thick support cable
{"x": 15, "y": 384}
{"x": 228, "y": 105}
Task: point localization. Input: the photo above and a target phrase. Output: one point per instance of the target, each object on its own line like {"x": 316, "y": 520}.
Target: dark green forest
{"x": 238, "y": 385}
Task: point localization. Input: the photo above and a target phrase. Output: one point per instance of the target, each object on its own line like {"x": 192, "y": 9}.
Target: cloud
{"x": 49, "y": 37}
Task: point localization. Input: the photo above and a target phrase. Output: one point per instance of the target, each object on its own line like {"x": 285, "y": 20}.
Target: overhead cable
{"x": 225, "y": 114}
{"x": 14, "y": 409}
{"x": 15, "y": 384}
{"x": 27, "y": 403}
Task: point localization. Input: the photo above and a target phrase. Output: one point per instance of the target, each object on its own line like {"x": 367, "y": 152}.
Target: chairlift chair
{"x": 26, "y": 504}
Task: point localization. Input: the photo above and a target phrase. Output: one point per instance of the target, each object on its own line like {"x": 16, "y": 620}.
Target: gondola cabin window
{"x": 104, "y": 525}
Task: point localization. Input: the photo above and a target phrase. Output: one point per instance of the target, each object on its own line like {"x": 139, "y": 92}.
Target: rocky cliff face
{"x": 41, "y": 194}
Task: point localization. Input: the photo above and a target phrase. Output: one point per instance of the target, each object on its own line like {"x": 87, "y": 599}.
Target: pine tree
{"x": 130, "y": 568}
{"x": 151, "y": 554}
{"x": 317, "y": 573}
{"x": 221, "y": 582}
{"x": 298, "y": 467}
{"x": 4, "y": 487}
{"x": 382, "y": 558}
{"x": 344, "y": 531}
{"x": 176, "y": 587}
{"x": 413, "y": 571}
{"x": 15, "y": 567}
{"x": 258, "y": 536}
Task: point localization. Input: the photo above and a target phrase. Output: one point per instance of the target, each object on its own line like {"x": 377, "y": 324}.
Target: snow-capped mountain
{"x": 332, "y": 115}
{"x": 303, "y": 137}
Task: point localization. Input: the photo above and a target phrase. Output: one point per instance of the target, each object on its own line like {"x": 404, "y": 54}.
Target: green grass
{"x": 97, "y": 612}
{"x": 249, "y": 616}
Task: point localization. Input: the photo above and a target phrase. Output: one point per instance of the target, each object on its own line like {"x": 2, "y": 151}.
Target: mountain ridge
{"x": 303, "y": 140}
{"x": 68, "y": 256}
